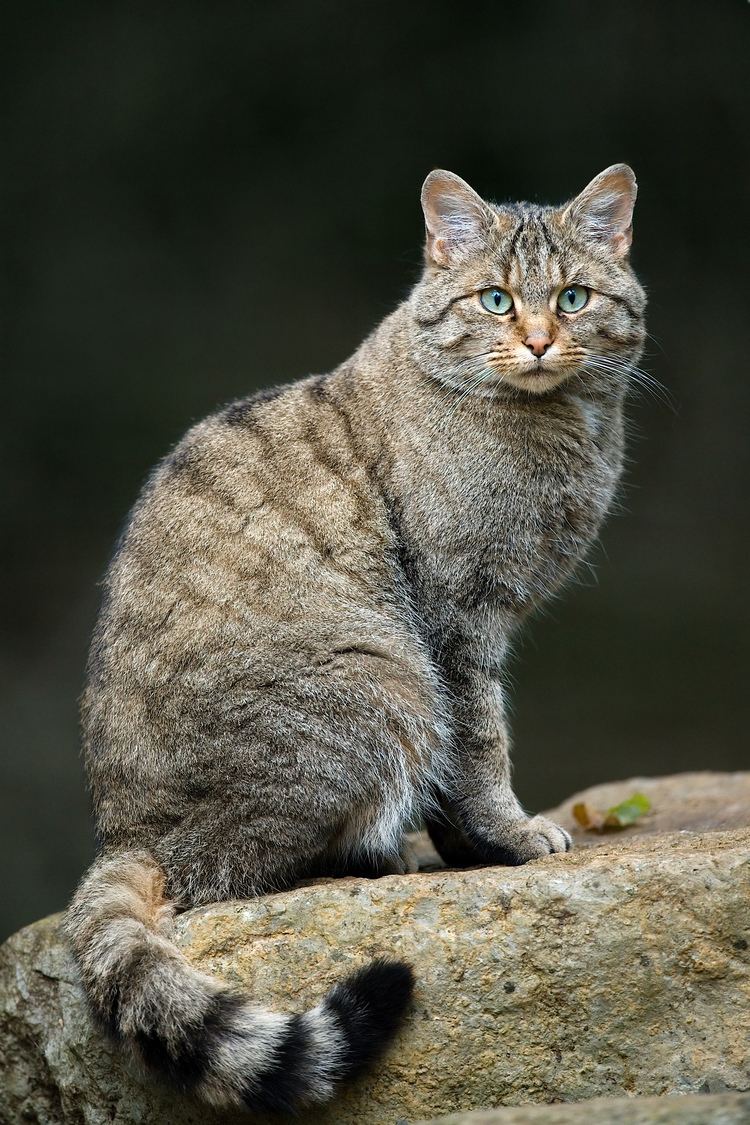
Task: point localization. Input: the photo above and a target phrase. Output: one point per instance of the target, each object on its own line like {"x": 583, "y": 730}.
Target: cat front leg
{"x": 484, "y": 822}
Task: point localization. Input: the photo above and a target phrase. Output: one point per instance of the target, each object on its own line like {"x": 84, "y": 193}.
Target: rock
{"x": 622, "y": 968}
{"x": 685, "y": 802}
{"x": 694, "y": 1109}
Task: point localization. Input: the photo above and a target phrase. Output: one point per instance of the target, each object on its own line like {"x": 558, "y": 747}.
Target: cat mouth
{"x": 537, "y": 375}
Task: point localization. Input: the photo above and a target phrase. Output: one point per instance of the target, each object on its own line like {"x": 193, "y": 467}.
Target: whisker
{"x": 621, "y": 369}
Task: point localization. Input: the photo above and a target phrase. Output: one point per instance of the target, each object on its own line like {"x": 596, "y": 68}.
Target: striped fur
{"x": 301, "y": 646}
{"x": 205, "y": 1037}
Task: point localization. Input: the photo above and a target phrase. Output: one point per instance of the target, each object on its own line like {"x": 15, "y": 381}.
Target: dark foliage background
{"x": 199, "y": 199}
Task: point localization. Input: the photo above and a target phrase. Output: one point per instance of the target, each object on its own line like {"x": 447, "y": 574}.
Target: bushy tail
{"x": 207, "y": 1038}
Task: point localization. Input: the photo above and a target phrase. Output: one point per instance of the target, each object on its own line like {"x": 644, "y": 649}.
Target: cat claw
{"x": 530, "y": 839}
{"x": 553, "y": 836}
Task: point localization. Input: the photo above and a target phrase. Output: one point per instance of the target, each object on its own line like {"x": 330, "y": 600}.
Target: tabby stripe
{"x": 427, "y": 322}
{"x": 621, "y": 301}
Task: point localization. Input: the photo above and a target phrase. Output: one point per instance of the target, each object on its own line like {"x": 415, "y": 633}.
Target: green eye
{"x": 496, "y": 300}
{"x": 572, "y": 299}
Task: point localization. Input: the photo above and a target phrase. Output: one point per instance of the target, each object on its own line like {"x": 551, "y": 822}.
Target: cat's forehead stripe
{"x": 531, "y": 253}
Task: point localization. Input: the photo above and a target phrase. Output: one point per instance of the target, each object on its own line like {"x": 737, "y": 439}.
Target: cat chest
{"x": 507, "y": 535}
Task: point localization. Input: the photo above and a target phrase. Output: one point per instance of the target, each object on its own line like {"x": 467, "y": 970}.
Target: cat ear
{"x": 457, "y": 219}
{"x": 604, "y": 209}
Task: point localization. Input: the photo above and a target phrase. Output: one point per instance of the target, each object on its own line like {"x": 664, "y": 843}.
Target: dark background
{"x": 200, "y": 199}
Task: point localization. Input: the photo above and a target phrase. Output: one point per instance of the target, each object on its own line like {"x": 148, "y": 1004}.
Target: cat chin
{"x": 535, "y": 382}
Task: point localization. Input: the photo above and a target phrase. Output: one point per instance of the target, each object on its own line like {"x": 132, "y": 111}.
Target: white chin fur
{"x": 535, "y": 381}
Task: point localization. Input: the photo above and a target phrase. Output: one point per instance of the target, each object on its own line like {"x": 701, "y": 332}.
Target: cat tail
{"x": 209, "y": 1039}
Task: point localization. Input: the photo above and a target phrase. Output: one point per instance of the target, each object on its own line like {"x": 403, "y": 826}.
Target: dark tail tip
{"x": 370, "y": 1005}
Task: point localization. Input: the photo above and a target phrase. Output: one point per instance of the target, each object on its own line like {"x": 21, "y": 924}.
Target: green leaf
{"x": 627, "y": 812}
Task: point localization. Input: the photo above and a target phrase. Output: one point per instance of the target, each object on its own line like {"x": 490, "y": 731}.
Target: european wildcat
{"x": 303, "y": 628}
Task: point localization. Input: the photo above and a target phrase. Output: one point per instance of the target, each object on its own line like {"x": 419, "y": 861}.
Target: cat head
{"x": 525, "y": 297}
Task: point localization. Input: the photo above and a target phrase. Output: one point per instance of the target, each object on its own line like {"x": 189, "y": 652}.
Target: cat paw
{"x": 529, "y": 839}
{"x": 545, "y": 836}
{"x": 409, "y": 859}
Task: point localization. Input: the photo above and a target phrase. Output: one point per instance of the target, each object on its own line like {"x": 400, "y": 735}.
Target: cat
{"x": 303, "y": 629}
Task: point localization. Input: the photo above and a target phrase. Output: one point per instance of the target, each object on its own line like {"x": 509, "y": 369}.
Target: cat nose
{"x": 537, "y": 343}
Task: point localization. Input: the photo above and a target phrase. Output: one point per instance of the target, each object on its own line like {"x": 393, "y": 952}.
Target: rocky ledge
{"x": 693, "y": 1109}
{"x": 622, "y": 968}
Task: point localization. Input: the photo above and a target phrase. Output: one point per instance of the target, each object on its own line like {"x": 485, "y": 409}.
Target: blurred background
{"x": 200, "y": 199}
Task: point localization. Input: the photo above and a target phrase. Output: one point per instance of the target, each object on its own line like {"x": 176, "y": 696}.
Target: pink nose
{"x": 537, "y": 343}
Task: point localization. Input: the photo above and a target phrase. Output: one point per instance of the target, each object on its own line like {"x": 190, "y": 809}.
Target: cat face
{"x": 526, "y": 297}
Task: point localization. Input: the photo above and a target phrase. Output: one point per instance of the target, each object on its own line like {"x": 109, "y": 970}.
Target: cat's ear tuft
{"x": 457, "y": 219}
{"x": 604, "y": 209}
